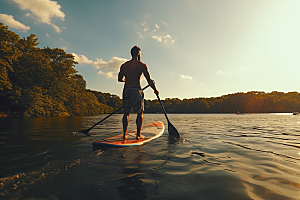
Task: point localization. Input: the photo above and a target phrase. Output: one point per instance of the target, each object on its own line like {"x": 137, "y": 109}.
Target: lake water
{"x": 222, "y": 156}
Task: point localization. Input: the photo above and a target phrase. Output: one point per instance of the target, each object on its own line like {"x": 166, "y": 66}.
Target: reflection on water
{"x": 222, "y": 156}
{"x": 132, "y": 185}
{"x": 27, "y": 143}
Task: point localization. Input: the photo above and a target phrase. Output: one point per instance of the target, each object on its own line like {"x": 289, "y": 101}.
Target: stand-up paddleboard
{"x": 150, "y": 131}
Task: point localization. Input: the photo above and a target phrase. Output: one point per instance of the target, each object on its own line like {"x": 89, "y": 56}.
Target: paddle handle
{"x": 145, "y": 87}
{"x": 114, "y": 111}
{"x": 110, "y": 114}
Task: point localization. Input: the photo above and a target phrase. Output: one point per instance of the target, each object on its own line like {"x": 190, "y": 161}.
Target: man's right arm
{"x": 121, "y": 75}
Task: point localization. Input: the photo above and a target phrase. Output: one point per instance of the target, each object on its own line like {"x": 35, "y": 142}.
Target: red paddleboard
{"x": 150, "y": 131}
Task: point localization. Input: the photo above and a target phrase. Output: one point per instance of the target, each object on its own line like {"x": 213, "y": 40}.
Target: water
{"x": 222, "y": 156}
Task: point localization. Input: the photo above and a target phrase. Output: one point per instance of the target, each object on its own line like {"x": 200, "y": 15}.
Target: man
{"x": 133, "y": 96}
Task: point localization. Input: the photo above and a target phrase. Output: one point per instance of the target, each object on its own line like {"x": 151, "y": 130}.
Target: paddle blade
{"x": 86, "y": 132}
{"x": 173, "y": 131}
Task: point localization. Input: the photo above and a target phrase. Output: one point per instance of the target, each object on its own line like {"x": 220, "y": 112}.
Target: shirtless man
{"x": 133, "y": 96}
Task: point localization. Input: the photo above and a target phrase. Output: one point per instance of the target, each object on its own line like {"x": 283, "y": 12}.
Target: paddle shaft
{"x": 162, "y": 106}
{"x": 86, "y": 131}
{"x": 105, "y": 118}
{"x": 172, "y": 130}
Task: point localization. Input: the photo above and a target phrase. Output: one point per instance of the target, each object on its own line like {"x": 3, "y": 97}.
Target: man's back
{"x": 132, "y": 70}
{"x": 133, "y": 96}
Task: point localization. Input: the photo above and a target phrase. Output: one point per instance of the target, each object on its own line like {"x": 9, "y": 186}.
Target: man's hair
{"x": 134, "y": 51}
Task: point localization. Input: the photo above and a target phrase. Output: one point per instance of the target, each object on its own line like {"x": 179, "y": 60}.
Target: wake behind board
{"x": 150, "y": 131}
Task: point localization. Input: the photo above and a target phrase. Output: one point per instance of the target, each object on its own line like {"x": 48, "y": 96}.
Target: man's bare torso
{"x": 132, "y": 70}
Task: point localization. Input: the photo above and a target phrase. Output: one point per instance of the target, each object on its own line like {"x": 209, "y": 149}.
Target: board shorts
{"x": 133, "y": 100}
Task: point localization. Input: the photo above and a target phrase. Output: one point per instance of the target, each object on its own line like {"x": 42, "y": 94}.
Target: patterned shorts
{"x": 133, "y": 100}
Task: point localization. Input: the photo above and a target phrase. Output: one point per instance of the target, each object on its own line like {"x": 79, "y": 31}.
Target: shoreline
{"x": 3, "y": 115}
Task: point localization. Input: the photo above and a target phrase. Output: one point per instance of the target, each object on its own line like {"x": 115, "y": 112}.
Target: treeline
{"x": 250, "y": 102}
{"x": 42, "y": 82}
{"x": 108, "y": 99}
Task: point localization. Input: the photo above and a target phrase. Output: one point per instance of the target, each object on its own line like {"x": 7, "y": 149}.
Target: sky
{"x": 193, "y": 48}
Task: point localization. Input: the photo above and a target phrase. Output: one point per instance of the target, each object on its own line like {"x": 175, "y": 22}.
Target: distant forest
{"x": 250, "y": 102}
{"x": 44, "y": 82}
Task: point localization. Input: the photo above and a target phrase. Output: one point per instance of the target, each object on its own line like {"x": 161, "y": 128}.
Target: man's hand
{"x": 121, "y": 76}
{"x": 154, "y": 87}
{"x": 121, "y": 79}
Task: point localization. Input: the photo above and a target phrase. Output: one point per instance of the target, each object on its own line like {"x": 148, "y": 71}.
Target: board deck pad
{"x": 150, "y": 131}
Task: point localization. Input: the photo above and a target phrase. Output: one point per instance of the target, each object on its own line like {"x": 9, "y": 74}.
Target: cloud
{"x": 114, "y": 63}
{"x": 144, "y": 24}
{"x": 44, "y": 10}
{"x": 244, "y": 69}
{"x": 155, "y": 32}
{"x": 221, "y": 73}
{"x": 158, "y": 38}
{"x": 57, "y": 29}
{"x": 165, "y": 39}
{"x": 110, "y": 75}
{"x": 82, "y": 59}
{"x": 185, "y": 77}
{"x": 12, "y": 23}
{"x": 109, "y": 68}
{"x": 140, "y": 34}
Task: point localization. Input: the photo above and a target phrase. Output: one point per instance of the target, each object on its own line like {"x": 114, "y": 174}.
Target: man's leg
{"x": 125, "y": 124}
{"x": 139, "y": 122}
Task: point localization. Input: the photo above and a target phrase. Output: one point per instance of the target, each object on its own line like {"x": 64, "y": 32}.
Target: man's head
{"x": 135, "y": 51}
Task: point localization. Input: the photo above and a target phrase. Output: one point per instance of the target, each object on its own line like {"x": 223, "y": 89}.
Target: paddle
{"x": 172, "y": 130}
{"x": 88, "y": 130}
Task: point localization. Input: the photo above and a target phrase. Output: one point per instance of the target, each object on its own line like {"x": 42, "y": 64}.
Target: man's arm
{"x": 149, "y": 80}
{"x": 121, "y": 77}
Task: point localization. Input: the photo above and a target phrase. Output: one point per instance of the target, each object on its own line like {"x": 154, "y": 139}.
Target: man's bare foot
{"x": 140, "y": 137}
{"x": 125, "y": 137}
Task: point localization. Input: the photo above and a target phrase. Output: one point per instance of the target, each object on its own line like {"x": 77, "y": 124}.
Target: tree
{"x": 42, "y": 82}
{"x": 8, "y": 54}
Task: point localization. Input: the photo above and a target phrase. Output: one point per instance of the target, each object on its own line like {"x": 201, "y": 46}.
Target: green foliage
{"x": 108, "y": 99}
{"x": 8, "y": 54}
{"x": 250, "y": 102}
{"x": 43, "y": 82}
{"x": 36, "y": 102}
